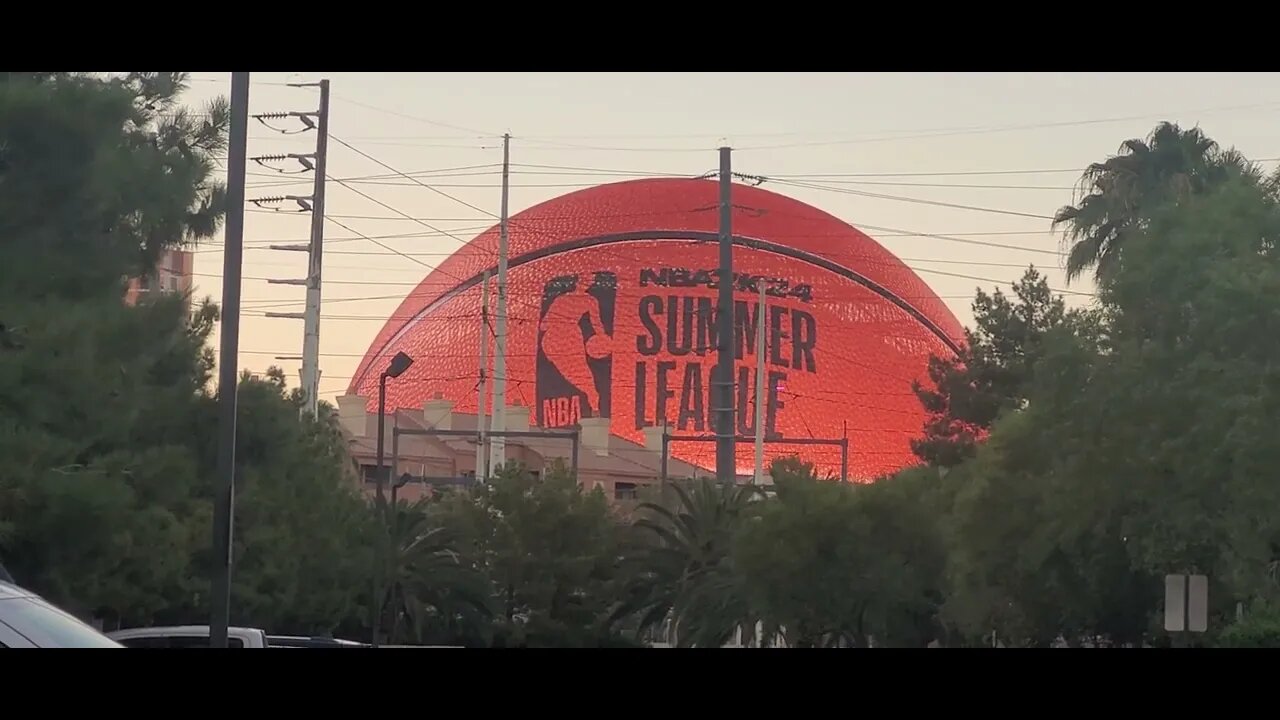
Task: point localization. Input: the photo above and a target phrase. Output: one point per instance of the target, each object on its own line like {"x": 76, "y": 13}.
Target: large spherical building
{"x": 610, "y": 298}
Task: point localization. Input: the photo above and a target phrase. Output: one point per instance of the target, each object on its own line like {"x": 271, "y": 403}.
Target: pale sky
{"x": 894, "y": 134}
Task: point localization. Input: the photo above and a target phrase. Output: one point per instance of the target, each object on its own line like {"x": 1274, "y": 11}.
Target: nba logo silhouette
{"x": 575, "y": 348}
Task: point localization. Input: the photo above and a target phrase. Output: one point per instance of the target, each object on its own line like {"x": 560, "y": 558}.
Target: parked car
{"x": 197, "y": 636}
{"x": 293, "y": 641}
{"x": 28, "y": 621}
{"x": 187, "y": 636}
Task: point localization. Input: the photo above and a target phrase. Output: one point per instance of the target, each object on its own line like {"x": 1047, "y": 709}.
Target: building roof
{"x": 621, "y": 458}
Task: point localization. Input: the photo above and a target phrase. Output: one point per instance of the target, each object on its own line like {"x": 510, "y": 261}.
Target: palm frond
{"x": 1115, "y": 197}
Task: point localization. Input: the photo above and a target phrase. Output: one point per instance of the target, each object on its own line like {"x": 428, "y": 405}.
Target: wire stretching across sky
{"x": 487, "y": 212}
{"x": 556, "y": 141}
{"x": 438, "y": 231}
{"x": 449, "y": 196}
{"x": 550, "y": 142}
{"x": 788, "y": 182}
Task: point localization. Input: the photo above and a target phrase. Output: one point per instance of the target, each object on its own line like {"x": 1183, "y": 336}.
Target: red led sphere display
{"x": 611, "y": 313}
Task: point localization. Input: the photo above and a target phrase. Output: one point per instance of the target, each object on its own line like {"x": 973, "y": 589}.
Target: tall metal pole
{"x": 760, "y": 396}
{"x": 498, "y": 445}
{"x": 311, "y": 318}
{"x": 375, "y": 602}
{"x": 726, "y": 463}
{"x": 382, "y": 419}
{"x": 481, "y": 475}
{"x": 233, "y": 246}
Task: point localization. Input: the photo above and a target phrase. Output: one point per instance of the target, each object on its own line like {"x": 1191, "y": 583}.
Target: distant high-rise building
{"x": 171, "y": 275}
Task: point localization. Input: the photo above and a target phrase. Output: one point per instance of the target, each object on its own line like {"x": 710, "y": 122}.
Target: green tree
{"x": 98, "y": 478}
{"x": 106, "y": 423}
{"x": 852, "y": 565}
{"x": 302, "y": 541}
{"x": 1194, "y": 363}
{"x": 679, "y": 568}
{"x": 1039, "y": 542}
{"x": 903, "y": 523}
{"x": 805, "y": 561}
{"x": 549, "y": 551}
{"x": 1140, "y": 455}
{"x": 967, "y": 393}
{"x": 1118, "y": 195}
{"x": 98, "y": 176}
{"x": 1258, "y": 629}
{"x": 430, "y": 585}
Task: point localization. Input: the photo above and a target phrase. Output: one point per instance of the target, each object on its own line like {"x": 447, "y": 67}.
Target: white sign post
{"x": 1186, "y": 603}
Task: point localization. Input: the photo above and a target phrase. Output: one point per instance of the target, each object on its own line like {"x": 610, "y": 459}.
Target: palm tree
{"x": 680, "y": 569}
{"x": 426, "y": 578}
{"x": 1118, "y": 196}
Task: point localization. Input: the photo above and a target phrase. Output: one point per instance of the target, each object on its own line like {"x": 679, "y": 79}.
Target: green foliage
{"x": 815, "y": 563}
{"x": 679, "y": 565}
{"x": 1118, "y": 196}
{"x": 1074, "y": 457}
{"x": 107, "y": 426}
{"x": 548, "y": 551}
{"x": 95, "y": 440}
{"x": 301, "y": 528}
{"x": 1145, "y": 445}
{"x": 429, "y": 583}
{"x": 967, "y": 393}
{"x": 97, "y": 177}
{"x": 808, "y": 562}
{"x": 1258, "y": 629}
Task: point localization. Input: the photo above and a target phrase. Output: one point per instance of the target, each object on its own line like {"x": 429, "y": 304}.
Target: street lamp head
{"x": 399, "y": 364}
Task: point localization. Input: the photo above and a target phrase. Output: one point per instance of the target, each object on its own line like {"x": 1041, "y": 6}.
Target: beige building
{"x": 621, "y": 469}
{"x": 172, "y": 275}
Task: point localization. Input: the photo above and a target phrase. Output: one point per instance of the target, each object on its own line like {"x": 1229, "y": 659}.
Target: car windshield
{"x": 48, "y": 627}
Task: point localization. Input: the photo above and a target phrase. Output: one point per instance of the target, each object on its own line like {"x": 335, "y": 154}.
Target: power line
{"x": 488, "y": 185}
{"x": 391, "y": 236}
{"x": 414, "y": 179}
{"x": 480, "y": 133}
{"x": 458, "y": 171}
{"x": 889, "y": 136}
{"x": 920, "y": 201}
{"x": 1014, "y": 128}
{"x": 415, "y": 283}
{"x": 951, "y": 132}
{"x": 484, "y": 211}
{"x": 792, "y": 183}
{"x": 433, "y": 292}
{"x": 400, "y": 212}
{"x": 413, "y": 255}
{"x": 402, "y": 218}
{"x": 215, "y": 247}
{"x": 579, "y": 171}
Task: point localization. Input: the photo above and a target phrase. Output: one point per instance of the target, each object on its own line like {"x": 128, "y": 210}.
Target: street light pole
{"x": 382, "y": 431}
{"x": 395, "y": 369}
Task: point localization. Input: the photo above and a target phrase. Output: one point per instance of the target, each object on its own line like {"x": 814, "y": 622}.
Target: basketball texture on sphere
{"x": 611, "y": 298}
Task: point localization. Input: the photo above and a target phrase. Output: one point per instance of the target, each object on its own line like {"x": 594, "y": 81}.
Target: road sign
{"x": 1186, "y": 603}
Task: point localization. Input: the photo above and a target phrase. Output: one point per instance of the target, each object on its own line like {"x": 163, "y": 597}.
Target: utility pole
{"x": 233, "y": 250}
{"x": 311, "y": 323}
{"x": 760, "y": 379}
{"x": 316, "y": 162}
{"x": 726, "y": 431}
{"x": 498, "y": 444}
{"x": 481, "y": 475}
